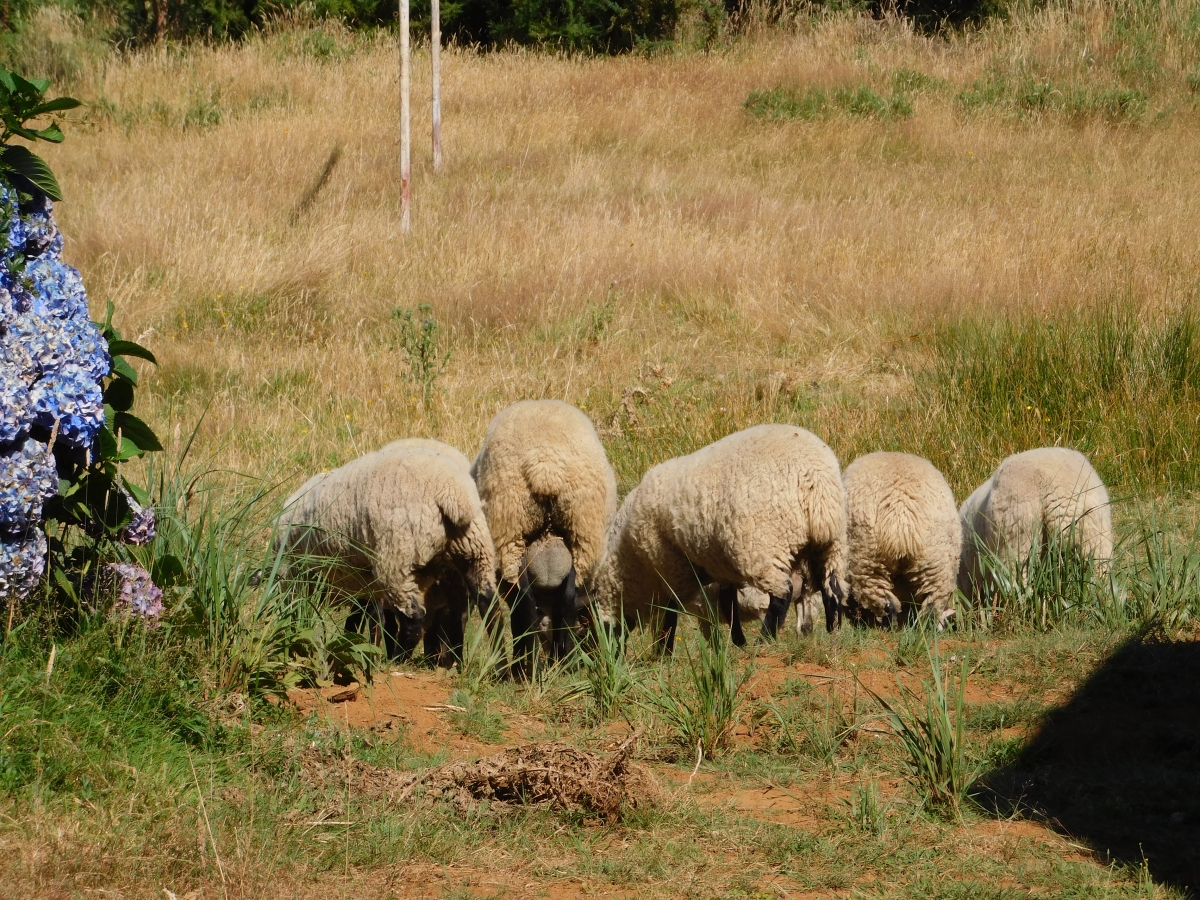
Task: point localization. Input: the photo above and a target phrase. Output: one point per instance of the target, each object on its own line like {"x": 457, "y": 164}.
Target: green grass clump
{"x": 607, "y": 677}
{"x": 1117, "y": 385}
{"x": 702, "y": 703}
{"x": 1027, "y": 96}
{"x": 932, "y": 731}
{"x": 859, "y": 101}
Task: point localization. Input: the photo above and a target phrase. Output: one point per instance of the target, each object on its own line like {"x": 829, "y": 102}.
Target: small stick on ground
{"x": 699, "y": 759}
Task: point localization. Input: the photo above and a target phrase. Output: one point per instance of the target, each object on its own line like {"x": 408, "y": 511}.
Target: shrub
{"x": 67, "y": 388}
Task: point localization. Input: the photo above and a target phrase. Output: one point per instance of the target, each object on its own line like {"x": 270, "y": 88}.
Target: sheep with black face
{"x": 762, "y": 508}
{"x": 401, "y": 528}
{"x": 549, "y": 493}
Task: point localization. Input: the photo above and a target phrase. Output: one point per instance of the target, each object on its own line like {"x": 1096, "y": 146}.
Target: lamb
{"x": 542, "y": 471}
{"x": 763, "y": 508}
{"x": 403, "y": 527}
{"x": 904, "y": 536}
{"x": 1041, "y": 494}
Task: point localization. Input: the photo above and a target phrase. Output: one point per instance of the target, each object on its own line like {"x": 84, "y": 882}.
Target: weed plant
{"x": 867, "y": 810}
{"x": 607, "y": 675}
{"x": 931, "y": 729}
{"x": 813, "y": 728}
{"x": 485, "y": 653}
{"x": 700, "y": 699}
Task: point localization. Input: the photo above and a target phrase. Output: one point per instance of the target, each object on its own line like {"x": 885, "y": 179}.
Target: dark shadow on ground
{"x": 1118, "y": 765}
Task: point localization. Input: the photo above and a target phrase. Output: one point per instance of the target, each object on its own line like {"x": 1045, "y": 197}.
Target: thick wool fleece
{"x": 396, "y": 521}
{"x": 543, "y": 469}
{"x": 904, "y": 535}
{"x": 750, "y": 509}
{"x": 1032, "y": 496}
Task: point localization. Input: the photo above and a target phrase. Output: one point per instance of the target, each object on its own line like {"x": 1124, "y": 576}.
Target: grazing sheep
{"x": 904, "y": 537}
{"x": 762, "y": 508}
{"x": 1032, "y": 497}
{"x": 542, "y": 471}
{"x": 404, "y": 528}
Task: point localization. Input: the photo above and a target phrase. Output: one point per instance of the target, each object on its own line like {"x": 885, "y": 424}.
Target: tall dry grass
{"x": 621, "y": 233}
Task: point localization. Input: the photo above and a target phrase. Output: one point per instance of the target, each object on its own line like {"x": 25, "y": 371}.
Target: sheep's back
{"x": 903, "y": 502}
{"x": 753, "y": 500}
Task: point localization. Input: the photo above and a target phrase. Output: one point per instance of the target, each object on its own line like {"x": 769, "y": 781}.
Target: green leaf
{"x": 56, "y": 105}
{"x": 30, "y": 85}
{"x": 129, "y": 348}
{"x": 52, "y": 133}
{"x": 119, "y": 394}
{"x": 32, "y": 167}
{"x": 139, "y": 494}
{"x": 64, "y": 585}
{"x": 123, "y": 369}
{"x": 134, "y": 429}
{"x": 6, "y": 80}
{"x": 106, "y": 442}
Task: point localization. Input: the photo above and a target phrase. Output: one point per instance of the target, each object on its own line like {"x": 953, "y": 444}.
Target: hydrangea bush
{"x": 66, "y": 390}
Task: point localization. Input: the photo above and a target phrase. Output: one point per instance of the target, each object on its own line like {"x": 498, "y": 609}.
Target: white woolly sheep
{"x": 763, "y": 507}
{"x": 1039, "y": 495}
{"x": 403, "y": 528}
{"x": 542, "y": 471}
{"x": 904, "y": 538}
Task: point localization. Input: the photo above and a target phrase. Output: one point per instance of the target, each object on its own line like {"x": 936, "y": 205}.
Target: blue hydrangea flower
{"x": 12, "y": 238}
{"x": 52, "y": 343}
{"x": 28, "y": 478}
{"x": 15, "y": 406}
{"x": 40, "y": 231}
{"x": 71, "y": 398}
{"x": 139, "y": 596}
{"x": 56, "y": 287}
{"x": 22, "y": 300}
{"x": 22, "y": 563}
{"x": 15, "y": 355}
{"x": 44, "y": 343}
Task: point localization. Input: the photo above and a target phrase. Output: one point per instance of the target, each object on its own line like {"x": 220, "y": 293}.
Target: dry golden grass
{"x": 776, "y": 270}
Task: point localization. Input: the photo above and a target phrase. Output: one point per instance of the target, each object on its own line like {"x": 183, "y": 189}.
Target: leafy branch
{"x": 21, "y": 101}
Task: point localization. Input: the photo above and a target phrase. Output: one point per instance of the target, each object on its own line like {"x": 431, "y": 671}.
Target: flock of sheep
{"x": 745, "y": 528}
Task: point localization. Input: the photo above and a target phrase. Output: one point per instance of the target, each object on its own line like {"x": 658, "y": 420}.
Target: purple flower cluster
{"x": 22, "y": 562}
{"x": 28, "y": 478}
{"x": 139, "y": 597}
{"x": 141, "y": 529}
{"x": 52, "y": 361}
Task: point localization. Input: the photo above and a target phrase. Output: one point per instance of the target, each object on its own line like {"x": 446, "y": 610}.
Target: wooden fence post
{"x": 405, "y": 121}
{"x": 435, "y": 53}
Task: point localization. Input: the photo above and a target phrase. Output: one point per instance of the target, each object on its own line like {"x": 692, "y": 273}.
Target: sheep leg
{"x": 523, "y": 614}
{"x": 727, "y": 598}
{"x": 453, "y": 635}
{"x": 433, "y": 638}
{"x": 777, "y": 611}
{"x": 401, "y": 633}
{"x": 564, "y": 616}
{"x": 666, "y": 634}
{"x": 831, "y": 594}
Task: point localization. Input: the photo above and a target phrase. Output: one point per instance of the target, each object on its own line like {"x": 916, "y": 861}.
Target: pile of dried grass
{"x": 553, "y": 774}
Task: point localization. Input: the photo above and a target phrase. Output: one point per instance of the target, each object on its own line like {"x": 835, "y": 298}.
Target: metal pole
{"x": 435, "y": 53}
{"x": 405, "y": 121}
